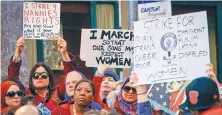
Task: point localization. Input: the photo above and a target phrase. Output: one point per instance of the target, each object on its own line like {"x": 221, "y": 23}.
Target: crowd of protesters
{"x": 106, "y": 94}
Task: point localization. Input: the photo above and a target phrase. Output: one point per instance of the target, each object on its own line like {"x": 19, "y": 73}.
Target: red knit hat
{"x": 4, "y": 88}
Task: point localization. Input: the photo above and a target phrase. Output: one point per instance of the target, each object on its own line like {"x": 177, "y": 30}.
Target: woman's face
{"x": 40, "y": 78}
{"x": 13, "y": 97}
{"x": 106, "y": 84}
{"x": 83, "y": 94}
{"x": 129, "y": 93}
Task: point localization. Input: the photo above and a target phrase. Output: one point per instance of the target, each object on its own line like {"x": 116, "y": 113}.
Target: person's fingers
{"x": 21, "y": 42}
{"x": 21, "y": 45}
{"x": 210, "y": 65}
{"x": 210, "y": 68}
{"x": 61, "y": 42}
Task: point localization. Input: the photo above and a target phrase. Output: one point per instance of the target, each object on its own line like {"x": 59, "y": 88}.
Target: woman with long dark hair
{"x": 41, "y": 79}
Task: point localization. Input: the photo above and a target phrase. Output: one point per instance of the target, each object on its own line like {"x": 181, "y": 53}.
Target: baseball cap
{"x": 201, "y": 93}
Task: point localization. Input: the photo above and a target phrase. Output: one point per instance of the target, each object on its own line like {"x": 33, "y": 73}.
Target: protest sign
{"x": 154, "y": 9}
{"x": 41, "y": 20}
{"x": 171, "y": 48}
{"x": 113, "y": 47}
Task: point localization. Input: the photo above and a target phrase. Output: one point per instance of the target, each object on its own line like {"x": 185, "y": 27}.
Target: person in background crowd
{"x": 72, "y": 78}
{"x": 105, "y": 81}
{"x": 28, "y": 110}
{"x": 28, "y": 99}
{"x": 202, "y": 95}
{"x": 84, "y": 93}
{"x": 93, "y": 112}
{"x": 10, "y": 96}
{"x": 41, "y": 81}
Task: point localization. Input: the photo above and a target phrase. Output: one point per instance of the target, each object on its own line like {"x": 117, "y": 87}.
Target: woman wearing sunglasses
{"x": 41, "y": 81}
{"x": 132, "y": 100}
{"x": 10, "y": 96}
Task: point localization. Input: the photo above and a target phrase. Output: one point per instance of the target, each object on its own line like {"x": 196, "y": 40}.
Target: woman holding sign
{"x": 41, "y": 81}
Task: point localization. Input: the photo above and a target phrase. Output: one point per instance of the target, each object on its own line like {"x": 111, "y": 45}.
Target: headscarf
{"x": 19, "y": 83}
{"x": 110, "y": 73}
{"x": 125, "y": 107}
{"x": 4, "y": 88}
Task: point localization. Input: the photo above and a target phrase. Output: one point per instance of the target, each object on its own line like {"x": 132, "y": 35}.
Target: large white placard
{"x": 113, "y": 47}
{"x": 154, "y": 10}
{"x": 41, "y": 20}
{"x": 171, "y": 48}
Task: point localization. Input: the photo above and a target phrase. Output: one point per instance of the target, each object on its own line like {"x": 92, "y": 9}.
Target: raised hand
{"x": 62, "y": 45}
{"x": 20, "y": 43}
{"x": 141, "y": 89}
{"x": 102, "y": 68}
{"x": 62, "y": 48}
{"x": 210, "y": 72}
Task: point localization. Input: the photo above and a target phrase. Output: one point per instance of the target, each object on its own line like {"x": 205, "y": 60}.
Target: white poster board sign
{"x": 113, "y": 47}
{"x": 41, "y": 20}
{"x": 171, "y": 48}
{"x": 154, "y": 10}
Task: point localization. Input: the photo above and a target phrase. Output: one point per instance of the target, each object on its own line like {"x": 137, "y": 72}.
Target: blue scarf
{"x": 125, "y": 107}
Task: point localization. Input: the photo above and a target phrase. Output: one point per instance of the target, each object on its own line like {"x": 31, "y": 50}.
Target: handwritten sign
{"x": 41, "y": 20}
{"x": 171, "y": 48}
{"x": 105, "y": 46}
{"x": 154, "y": 9}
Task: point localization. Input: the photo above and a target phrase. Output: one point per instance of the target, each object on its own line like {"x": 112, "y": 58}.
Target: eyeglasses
{"x": 127, "y": 89}
{"x": 36, "y": 75}
{"x": 20, "y": 93}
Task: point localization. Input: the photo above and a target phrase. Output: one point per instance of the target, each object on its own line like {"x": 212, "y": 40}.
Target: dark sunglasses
{"x": 20, "y": 93}
{"x": 36, "y": 75}
{"x": 127, "y": 89}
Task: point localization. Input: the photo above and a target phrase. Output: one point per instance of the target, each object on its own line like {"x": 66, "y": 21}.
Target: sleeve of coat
{"x": 144, "y": 108}
{"x": 97, "y": 80}
{"x": 14, "y": 68}
{"x": 68, "y": 67}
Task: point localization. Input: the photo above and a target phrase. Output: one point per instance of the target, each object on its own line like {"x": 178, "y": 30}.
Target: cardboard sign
{"x": 104, "y": 46}
{"x": 41, "y": 20}
{"x": 171, "y": 48}
{"x": 154, "y": 9}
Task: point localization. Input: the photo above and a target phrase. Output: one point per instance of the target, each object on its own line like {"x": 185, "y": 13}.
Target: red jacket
{"x": 97, "y": 82}
{"x": 58, "y": 94}
{"x": 64, "y": 109}
{"x": 212, "y": 111}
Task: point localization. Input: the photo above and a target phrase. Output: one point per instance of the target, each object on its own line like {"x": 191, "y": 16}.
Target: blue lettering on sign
{"x": 149, "y": 1}
{"x": 150, "y": 9}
